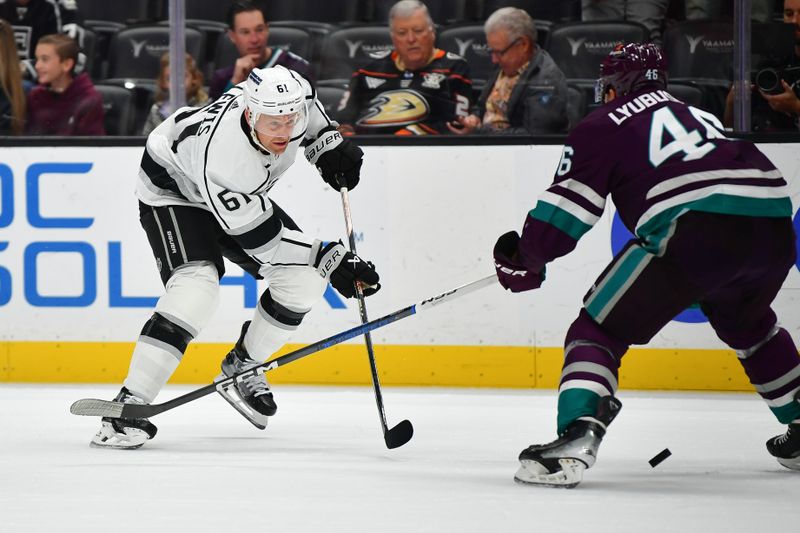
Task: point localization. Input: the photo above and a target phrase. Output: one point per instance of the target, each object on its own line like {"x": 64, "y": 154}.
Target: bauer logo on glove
{"x": 338, "y": 160}
{"x": 344, "y": 270}
{"x": 512, "y": 274}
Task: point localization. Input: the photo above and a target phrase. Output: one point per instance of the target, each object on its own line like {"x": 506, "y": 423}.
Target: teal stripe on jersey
{"x": 555, "y": 216}
{"x": 787, "y": 413}
{"x": 573, "y": 404}
{"x": 724, "y": 204}
{"x": 614, "y": 285}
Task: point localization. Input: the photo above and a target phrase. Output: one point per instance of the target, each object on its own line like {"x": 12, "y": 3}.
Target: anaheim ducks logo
{"x": 395, "y": 108}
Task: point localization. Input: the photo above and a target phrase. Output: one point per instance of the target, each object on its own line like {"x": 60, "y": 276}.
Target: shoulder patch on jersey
{"x": 373, "y": 83}
{"x": 433, "y": 80}
{"x": 380, "y": 54}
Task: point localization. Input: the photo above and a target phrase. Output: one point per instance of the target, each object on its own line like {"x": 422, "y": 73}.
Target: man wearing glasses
{"x": 413, "y": 89}
{"x": 527, "y": 95}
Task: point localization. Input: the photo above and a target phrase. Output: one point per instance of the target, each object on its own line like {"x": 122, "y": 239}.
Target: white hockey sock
{"x": 149, "y": 371}
{"x": 266, "y": 336}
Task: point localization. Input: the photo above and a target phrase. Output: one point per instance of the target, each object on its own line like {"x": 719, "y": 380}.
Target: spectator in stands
{"x": 712, "y": 10}
{"x": 249, "y": 32}
{"x": 778, "y": 111}
{"x": 527, "y": 94}
{"x": 32, "y": 19}
{"x": 413, "y": 89}
{"x": 650, "y": 13}
{"x": 12, "y": 94}
{"x": 196, "y": 95}
{"x": 63, "y": 103}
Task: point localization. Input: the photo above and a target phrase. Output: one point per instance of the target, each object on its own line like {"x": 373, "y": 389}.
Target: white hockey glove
{"x": 337, "y": 159}
{"x": 344, "y": 269}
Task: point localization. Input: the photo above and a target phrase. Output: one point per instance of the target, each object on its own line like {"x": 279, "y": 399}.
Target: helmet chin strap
{"x": 251, "y": 121}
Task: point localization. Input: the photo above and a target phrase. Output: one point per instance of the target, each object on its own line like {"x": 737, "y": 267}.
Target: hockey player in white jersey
{"x": 203, "y": 194}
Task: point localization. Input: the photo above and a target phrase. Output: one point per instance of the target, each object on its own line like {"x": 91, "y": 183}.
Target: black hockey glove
{"x": 343, "y": 269}
{"x": 511, "y": 273}
{"x": 337, "y": 159}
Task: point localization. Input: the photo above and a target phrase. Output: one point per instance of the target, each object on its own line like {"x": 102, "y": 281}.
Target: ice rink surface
{"x": 321, "y": 466}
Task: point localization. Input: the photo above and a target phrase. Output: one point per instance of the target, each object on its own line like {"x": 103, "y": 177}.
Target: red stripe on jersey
{"x": 376, "y": 74}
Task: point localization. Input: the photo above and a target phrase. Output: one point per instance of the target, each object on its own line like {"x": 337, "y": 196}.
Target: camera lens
{"x": 768, "y": 81}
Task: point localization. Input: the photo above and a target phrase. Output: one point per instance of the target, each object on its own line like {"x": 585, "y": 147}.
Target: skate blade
{"x": 115, "y": 441}
{"x": 232, "y": 396}
{"x": 93, "y": 444}
{"x": 792, "y": 464}
{"x": 533, "y": 473}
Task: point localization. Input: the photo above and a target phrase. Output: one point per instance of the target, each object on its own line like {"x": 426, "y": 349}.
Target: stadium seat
{"x": 579, "y": 47}
{"x": 127, "y": 12}
{"x": 330, "y": 96}
{"x": 103, "y": 30}
{"x": 213, "y": 10}
{"x": 143, "y": 92}
{"x": 118, "y": 108}
{"x": 477, "y": 89}
{"x": 470, "y": 43}
{"x": 348, "y": 49}
{"x": 557, "y": 12}
{"x": 702, "y": 53}
{"x": 318, "y": 31}
{"x": 688, "y": 93}
{"x": 213, "y": 32}
{"x": 576, "y": 105}
{"x": 136, "y": 52}
{"x": 339, "y": 12}
{"x": 87, "y": 40}
{"x": 543, "y": 29}
{"x": 700, "y": 50}
{"x": 443, "y": 12}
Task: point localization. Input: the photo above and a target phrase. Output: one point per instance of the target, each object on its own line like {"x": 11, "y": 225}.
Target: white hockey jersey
{"x": 205, "y": 158}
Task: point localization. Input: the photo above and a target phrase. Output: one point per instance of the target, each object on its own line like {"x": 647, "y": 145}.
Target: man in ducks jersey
{"x": 414, "y": 89}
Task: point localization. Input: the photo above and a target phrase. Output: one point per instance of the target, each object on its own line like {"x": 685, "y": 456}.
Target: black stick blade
{"x": 94, "y": 407}
{"x": 399, "y": 435}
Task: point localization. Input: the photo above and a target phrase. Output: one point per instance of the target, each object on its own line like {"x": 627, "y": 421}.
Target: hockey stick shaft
{"x": 362, "y": 308}
{"x": 93, "y": 407}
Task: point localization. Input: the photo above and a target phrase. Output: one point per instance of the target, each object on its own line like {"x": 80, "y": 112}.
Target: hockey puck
{"x": 658, "y": 459}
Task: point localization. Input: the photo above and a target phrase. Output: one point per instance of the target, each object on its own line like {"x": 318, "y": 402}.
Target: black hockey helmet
{"x": 630, "y": 67}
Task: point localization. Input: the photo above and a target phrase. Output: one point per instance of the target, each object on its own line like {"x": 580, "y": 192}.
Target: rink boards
{"x": 77, "y": 278}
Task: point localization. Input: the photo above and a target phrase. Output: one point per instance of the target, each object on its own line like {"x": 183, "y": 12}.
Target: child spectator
{"x": 12, "y": 95}
{"x": 62, "y": 103}
{"x": 196, "y": 95}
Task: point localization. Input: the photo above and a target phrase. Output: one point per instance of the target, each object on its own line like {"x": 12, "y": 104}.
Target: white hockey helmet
{"x": 275, "y": 100}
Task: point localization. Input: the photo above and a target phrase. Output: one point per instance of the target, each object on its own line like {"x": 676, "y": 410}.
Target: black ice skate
{"x": 124, "y": 433}
{"x": 250, "y": 393}
{"x": 786, "y": 447}
{"x": 561, "y": 463}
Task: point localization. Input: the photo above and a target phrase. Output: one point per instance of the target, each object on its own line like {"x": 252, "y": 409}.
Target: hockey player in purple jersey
{"x": 712, "y": 224}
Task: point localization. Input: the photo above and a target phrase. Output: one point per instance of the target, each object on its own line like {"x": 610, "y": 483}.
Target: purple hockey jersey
{"x": 657, "y": 158}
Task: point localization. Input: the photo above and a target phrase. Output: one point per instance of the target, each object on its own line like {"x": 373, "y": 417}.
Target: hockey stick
{"x": 402, "y": 432}
{"x": 106, "y": 408}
